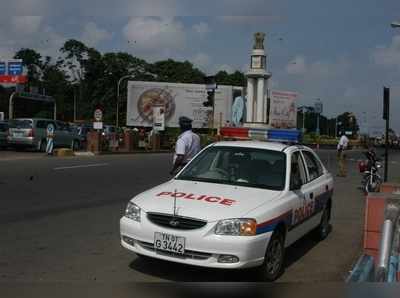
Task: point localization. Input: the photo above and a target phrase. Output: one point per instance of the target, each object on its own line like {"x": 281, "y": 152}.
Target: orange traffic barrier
{"x": 393, "y": 188}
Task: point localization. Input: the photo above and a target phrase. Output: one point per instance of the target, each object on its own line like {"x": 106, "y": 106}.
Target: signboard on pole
{"x": 98, "y": 115}
{"x": 2, "y": 68}
{"x": 98, "y": 125}
{"x": 12, "y": 72}
{"x": 7, "y": 79}
{"x": 283, "y": 112}
{"x": 158, "y": 118}
{"x": 318, "y": 107}
{"x": 15, "y": 67}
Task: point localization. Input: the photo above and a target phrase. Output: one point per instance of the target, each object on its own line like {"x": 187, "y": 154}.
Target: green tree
{"x": 33, "y": 61}
{"x": 176, "y": 72}
{"x": 235, "y": 79}
{"x": 56, "y": 84}
{"x": 115, "y": 66}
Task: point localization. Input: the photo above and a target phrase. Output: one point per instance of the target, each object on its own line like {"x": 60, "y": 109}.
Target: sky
{"x": 342, "y": 52}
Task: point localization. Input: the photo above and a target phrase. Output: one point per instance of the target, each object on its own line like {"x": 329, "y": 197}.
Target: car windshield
{"x": 239, "y": 166}
{"x": 20, "y": 123}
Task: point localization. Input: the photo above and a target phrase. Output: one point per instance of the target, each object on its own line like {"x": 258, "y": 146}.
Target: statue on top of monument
{"x": 259, "y": 41}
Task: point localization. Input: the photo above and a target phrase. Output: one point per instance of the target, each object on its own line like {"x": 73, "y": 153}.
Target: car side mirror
{"x": 295, "y": 184}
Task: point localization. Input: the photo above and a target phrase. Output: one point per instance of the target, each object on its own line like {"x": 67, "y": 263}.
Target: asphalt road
{"x": 59, "y": 221}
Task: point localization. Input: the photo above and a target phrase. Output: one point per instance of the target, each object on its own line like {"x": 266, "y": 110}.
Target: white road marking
{"x": 82, "y": 166}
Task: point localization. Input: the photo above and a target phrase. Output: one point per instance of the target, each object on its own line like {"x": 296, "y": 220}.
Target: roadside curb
{"x": 87, "y": 153}
{"x": 63, "y": 152}
{"x": 131, "y": 152}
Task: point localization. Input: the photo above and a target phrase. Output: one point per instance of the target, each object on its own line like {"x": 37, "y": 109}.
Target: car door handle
{"x": 312, "y": 195}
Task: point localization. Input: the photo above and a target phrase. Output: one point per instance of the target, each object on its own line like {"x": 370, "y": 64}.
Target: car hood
{"x": 202, "y": 200}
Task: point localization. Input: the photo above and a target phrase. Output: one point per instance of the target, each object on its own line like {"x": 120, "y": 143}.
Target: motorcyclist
{"x": 371, "y": 157}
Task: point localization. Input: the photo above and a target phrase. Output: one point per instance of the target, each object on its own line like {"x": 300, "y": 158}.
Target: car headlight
{"x": 132, "y": 211}
{"x": 236, "y": 227}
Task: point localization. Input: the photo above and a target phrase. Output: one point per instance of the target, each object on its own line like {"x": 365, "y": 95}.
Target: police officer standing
{"x": 341, "y": 148}
{"x": 187, "y": 145}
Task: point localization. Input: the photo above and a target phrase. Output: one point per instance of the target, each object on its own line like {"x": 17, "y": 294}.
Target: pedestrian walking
{"x": 341, "y": 153}
{"x": 50, "y": 138}
{"x": 187, "y": 145}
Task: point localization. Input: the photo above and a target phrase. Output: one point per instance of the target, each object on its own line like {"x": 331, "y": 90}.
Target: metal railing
{"x": 389, "y": 247}
{"x": 387, "y": 267}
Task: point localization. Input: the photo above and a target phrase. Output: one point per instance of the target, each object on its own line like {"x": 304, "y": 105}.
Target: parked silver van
{"x": 31, "y": 132}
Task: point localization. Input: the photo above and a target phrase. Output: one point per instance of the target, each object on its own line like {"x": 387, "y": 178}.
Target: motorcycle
{"x": 369, "y": 169}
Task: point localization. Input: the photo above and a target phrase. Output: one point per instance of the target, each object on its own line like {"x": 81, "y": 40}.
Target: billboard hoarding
{"x": 283, "y": 112}
{"x": 178, "y": 100}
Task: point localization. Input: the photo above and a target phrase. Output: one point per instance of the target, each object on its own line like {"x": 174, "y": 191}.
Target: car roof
{"x": 268, "y": 145}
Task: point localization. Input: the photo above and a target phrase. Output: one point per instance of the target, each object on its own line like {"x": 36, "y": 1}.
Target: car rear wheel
{"x": 273, "y": 265}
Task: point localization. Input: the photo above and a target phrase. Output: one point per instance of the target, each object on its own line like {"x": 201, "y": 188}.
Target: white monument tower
{"x": 257, "y": 85}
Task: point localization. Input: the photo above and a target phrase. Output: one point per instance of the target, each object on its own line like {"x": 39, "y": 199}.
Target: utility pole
{"x": 386, "y": 116}
{"x": 336, "y": 127}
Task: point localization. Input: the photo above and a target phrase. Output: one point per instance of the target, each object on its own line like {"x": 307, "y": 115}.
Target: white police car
{"x": 235, "y": 205}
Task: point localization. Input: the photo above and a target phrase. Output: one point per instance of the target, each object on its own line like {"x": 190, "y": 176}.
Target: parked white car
{"x": 235, "y": 205}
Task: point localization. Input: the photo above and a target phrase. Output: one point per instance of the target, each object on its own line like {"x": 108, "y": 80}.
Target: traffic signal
{"x": 210, "y": 99}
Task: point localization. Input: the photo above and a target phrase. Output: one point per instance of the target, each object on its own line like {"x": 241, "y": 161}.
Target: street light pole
{"x": 318, "y": 110}
{"x": 119, "y": 82}
{"x": 74, "y": 104}
{"x": 336, "y": 127}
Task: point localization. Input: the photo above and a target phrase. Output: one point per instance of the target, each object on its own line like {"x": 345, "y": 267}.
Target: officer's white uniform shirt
{"x": 188, "y": 145}
{"x": 343, "y": 142}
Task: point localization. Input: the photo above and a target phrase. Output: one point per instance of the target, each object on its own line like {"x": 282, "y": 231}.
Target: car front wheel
{"x": 273, "y": 265}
